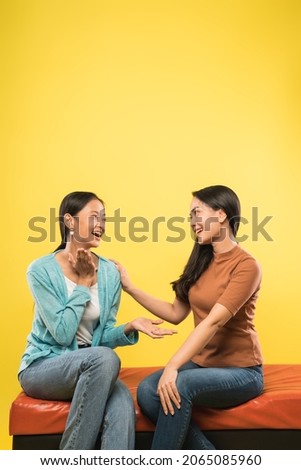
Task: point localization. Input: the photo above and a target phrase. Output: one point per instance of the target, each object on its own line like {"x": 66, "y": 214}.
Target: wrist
{"x": 171, "y": 366}
{"x": 130, "y": 290}
{"x": 129, "y": 328}
{"x": 85, "y": 281}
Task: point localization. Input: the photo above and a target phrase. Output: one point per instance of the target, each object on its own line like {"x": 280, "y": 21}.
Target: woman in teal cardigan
{"x": 69, "y": 353}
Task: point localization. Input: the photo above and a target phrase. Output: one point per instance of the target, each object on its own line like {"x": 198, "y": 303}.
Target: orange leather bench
{"x": 270, "y": 421}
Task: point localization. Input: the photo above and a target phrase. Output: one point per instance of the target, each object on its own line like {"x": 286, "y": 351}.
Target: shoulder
{"x": 109, "y": 275}
{"x": 247, "y": 262}
{"x": 108, "y": 266}
{"x": 41, "y": 263}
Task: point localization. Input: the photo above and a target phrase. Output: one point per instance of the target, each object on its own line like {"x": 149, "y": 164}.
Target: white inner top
{"x": 91, "y": 314}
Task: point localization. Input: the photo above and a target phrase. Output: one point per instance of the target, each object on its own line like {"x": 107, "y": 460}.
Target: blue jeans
{"x": 212, "y": 387}
{"x": 88, "y": 378}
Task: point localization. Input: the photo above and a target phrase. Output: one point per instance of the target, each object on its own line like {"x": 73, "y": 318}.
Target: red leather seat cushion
{"x": 279, "y": 407}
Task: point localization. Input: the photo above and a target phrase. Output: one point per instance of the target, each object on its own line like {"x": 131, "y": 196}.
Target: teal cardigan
{"x": 57, "y": 317}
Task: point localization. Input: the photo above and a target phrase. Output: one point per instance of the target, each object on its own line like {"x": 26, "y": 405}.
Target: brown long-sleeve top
{"x": 233, "y": 280}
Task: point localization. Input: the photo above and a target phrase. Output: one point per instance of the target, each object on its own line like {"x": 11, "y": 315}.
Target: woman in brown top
{"x": 219, "y": 364}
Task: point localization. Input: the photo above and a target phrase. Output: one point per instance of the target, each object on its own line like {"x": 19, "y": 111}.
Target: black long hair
{"x": 217, "y": 197}
{"x": 72, "y": 204}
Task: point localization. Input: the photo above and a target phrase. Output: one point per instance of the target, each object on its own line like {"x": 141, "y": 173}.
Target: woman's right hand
{"x": 124, "y": 277}
{"x": 83, "y": 265}
{"x": 167, "y": 390}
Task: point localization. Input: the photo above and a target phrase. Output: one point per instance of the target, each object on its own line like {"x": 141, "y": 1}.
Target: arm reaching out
{"x": 172, "y": 312}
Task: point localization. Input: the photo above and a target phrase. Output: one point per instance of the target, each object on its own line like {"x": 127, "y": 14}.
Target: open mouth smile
{"x": 97, "y": 234}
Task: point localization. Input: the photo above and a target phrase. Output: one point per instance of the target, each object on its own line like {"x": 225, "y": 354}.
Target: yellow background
{"x": 144, "y": 102}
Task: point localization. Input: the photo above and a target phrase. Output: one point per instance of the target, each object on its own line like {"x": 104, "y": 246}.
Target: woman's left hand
{"x": 150, "y": 328}
{"x": 167, "y": 390}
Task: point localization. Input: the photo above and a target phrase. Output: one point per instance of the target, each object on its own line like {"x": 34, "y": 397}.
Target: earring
{"x": 71, "y": 233}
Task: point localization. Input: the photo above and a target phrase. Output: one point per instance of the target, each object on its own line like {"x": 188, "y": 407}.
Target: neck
{"x": 222, "y": 246}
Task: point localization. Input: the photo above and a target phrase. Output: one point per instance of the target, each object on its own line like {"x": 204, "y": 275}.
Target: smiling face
{"x": 88, "y": 224}
{"x": 207, "y": 223}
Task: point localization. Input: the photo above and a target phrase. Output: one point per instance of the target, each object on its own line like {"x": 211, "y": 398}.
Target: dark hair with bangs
{"x": 217, "y": 197}
{"x": 72, "y": 204}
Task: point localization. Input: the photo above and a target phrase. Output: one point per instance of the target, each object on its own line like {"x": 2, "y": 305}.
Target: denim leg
{"x": 119, "y": 420}
{"x": 87, "y": 378}
{"x": 214, "y": 387}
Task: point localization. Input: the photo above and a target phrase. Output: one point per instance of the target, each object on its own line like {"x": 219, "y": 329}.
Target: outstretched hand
{"x": 150, "y": 328}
